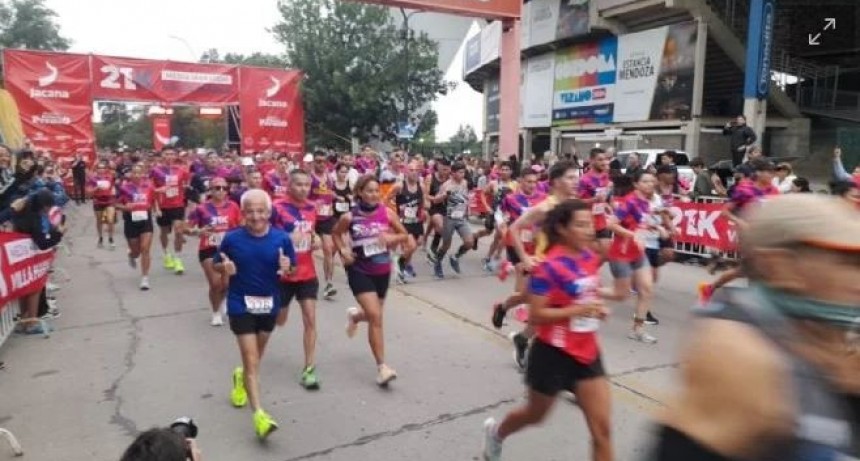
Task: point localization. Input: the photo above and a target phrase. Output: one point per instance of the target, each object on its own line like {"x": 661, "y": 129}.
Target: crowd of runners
{"x": 262, "y": 220}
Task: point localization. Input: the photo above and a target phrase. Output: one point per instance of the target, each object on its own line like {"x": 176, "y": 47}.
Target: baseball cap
{"x": 813, "y": 219}
{"x": 308, "y": 158}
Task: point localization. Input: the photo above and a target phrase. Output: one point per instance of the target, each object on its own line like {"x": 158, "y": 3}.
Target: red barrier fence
{"x": 24, "y": 267}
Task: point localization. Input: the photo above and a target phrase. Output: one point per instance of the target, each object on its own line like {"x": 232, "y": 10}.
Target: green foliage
{"x": 194, "y": 131}
{"x": 127, "y": 125}
{"x": 29, "y": 24}
{"x": 465, "y": 139}
{"x": 355, "y": 64}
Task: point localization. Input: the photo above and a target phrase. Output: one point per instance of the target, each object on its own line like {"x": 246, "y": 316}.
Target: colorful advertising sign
{"x": 160, "y": 131}
{"x": 584, "y": 83}
{"x": 24, "y": 267}
{"x": 271, "y": 110}
{"x": 52, "y": 92}
{"x": 492, "y": 9}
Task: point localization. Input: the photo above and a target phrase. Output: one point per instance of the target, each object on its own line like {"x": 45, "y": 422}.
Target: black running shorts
{"x": 306, "y": 289}
{"x": 169, "y": 216}
{"x": 250, "y": 324}
{"x": 551, "y": 370}
{"x": 325, "y": 227}
{"x": 134, "y": 229}
{"x": 359, "y": 282}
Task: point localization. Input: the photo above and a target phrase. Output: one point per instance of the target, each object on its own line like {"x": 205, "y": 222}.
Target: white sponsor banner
{"x": 196, "y": 77}
{"x": 540, "y": 76}
{"x": 491, "y": 42}
{"x": 543, "y": 19}
{"x": 639, "y": 59}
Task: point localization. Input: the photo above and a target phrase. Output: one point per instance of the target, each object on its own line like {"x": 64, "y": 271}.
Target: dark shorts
{"x": 325, "y": 227}
{"x": 169, "y": 216}
{"x": 415, "y": 229}
{"x": 134, "y": 229}
{"x": 513, "y": 257}
{"x": 359, "y": 283}
{"x": 250, "y": 324}
{"x": 306, "y": 289}
{"x": 490, "y": 222}
{"x": 436, "y": 209}
{"x": 207, "y": 253}
{"x": 551, "y": 370}
{"x": 604, "y": 234}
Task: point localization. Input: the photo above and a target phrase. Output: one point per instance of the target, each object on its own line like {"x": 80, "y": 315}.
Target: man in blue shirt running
{"x": 254, "y": 257}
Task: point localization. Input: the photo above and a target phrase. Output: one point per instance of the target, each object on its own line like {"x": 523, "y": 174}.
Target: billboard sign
{"x": 585, "y": 82}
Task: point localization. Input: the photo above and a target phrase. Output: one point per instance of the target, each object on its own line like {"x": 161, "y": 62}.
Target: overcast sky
{"x": 146, "y": 29}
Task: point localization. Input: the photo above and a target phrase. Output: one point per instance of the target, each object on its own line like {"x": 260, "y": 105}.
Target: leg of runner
{"x": 110, "y": 218}
{"x": 164, "y": 239}
{"x": 537, "y": 407}
{"x": 706, "y": 290}
{"x": 217, "y": 290}
{"x": 644, "y": 297}
{"x": 309, "y": 378}
{"x": 465, "y": 233}
{"x": 437, "y": 224}
{"x": 252, "y": 346}
{"x": 145, "y": 259}
{"x": 515, "y": 299}
{"x": 436, "y": 257}
{"x": 178, "y": 241}
{"x": 593, "y": 398}
{"x": 371, "y": 312}
{"x": 328, "y": 265}
{"x": 405, "y": 259}
{"x": 100, "y": 216}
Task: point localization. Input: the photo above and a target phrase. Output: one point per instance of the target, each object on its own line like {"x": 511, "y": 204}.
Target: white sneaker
{"x": 642, "y": 336}
{"x": 492, "y": 450}
{"x": 385, "y": 376}
{"x": 144, "y": 284}
{"x": 217, "y": 320}
{"x": 351, "y": 324}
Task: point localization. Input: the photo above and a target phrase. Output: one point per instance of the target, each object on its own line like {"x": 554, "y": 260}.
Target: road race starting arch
{"x": 54, "y": 94}
{"x": 508, "y": 11}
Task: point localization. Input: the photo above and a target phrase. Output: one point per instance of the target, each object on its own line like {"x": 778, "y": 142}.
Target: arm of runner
{"x": 337, "y": 233}
{"x": 440, "y": 196}
{"x": 425, "y": 199}
{"x": 540, "y": 313}
{"x": 528, "y": 219}
{"x": 399, "y": 236}
{"x": 489, "y": 189}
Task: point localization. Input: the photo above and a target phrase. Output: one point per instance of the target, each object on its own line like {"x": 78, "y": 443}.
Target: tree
{"x": 30, "y": 24}
{"x": 465, "y": 139}
{"x": 357, "y": 72}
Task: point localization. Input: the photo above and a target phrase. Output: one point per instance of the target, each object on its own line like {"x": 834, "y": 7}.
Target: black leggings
{"x": 80, "y": 194}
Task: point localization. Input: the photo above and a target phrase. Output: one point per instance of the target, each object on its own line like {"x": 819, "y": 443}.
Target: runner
{"x": 210, "y": 221}
{"x": 204, "y": 174}
{"x": 322, "y": 195}
{"x": 275, "y": 183}
{"x": 373, "y": 229}
{"x": 253, "y": 180}
{"x": 436, "y": 211}
{"x": 410, "y": 200}
{"x": 454, "y": 194}
{"x": 297, "y": 216}
{"x": 513, "y": 206}
{"x": 627, "y": 251}
{"x": 137, "y": 202}
{"x": 594, "y": 188}
{"x": 566, "y": 309}
{"x": 497, "y": 189}
{"x": 343, "y": 199}
{"x": 170, "y": 181}
{"x": 563, "y": 180}
{"x": 253, "y": 257}
{"x": 101, "y": 186}
{"x": 746, "y": 192}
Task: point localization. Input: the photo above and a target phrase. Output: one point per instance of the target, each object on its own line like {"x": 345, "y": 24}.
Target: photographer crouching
{"x": 176, "y": 443}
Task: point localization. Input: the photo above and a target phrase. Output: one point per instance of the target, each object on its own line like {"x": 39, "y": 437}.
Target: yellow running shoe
{"x": 168, "y": 262}
{"x": 264, "y": 424}
{"x": 239, "y": 396}
{"x": 177, "y": 266}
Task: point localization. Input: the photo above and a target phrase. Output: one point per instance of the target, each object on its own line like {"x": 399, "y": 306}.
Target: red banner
{"x": 24, "y": 267}
{"x": 703, "y": 224}
{"x": 160, "y": 131}
{"x": 127, "y": 79}
{"x": 271, "y": 110}
{"x": 52, "y": 92}
{"x": 491, "y": 9}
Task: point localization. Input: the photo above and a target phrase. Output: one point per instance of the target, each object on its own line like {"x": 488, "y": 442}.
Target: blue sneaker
{"x": 410, "y": 271}
{"x": 437, "y": 270}
{"x": 455, "y": 263}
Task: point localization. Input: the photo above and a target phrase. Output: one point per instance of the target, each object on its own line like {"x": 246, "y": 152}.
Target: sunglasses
{"x": 223, "y": 188}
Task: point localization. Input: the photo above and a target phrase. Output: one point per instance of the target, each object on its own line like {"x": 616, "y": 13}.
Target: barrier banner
{"x": 703, "y": 224}
{"x": 160, "y": 131}
{"x": 24, "y": 267}
{"x": 271, "y": 108}
{"x": 52, "y": 92}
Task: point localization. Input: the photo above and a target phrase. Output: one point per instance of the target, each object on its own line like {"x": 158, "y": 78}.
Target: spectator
{"x": 742, "y": 137}
{"x": 784, "y": 178}
{"x": 161, "y": 445}
{"x": 22, "y": 180}
{"x": 79, "y": 176}
{"x": 7, "y": 169}
{"x": 634, "y": 164}
{"x": 800, "y": 185}
{"x": 848, "y": 190}
{"x": 839, "y": 172}
{"x": 704, "y": 184}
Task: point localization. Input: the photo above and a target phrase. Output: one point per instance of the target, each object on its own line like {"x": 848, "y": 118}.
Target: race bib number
{"x": 373, "y": 248}
{"x": 410, "y": 213}
{"x": 302, "y": 242}
{"x": 259, "y": 305}
{"x": 341, "y": 207}
{"x": 584, "y": 324}
{"x": 140, "y": 215}
{"x": 171, "y": 192}
{"x": 458, "y": 214}
{"x": 324, "y": 210}
{"x": 103, "y": 185}
{"x": 527, "y": 236}
{"x": 214, "y": 239}
{"x": 599, "y": 208}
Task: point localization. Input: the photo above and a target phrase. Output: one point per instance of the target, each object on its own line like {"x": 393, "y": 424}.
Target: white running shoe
{"x": 351, "y": 324}
{"x": 642, "y": 336}
{"x": 217, "y": 320}
{"x": 492, "y": 450}
{"x": 51, "y": 287}
{"x": 144, "y": 284}
{"x": 385, "y": 376}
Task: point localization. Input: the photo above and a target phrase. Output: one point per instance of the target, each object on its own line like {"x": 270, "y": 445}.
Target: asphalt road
{"x": 122, "y": 360}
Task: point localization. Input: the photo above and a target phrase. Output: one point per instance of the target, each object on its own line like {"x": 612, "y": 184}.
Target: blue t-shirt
{"x": 255, "y": 288}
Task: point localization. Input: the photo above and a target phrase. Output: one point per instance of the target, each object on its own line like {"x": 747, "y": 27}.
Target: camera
{"x": 186, "y": 428}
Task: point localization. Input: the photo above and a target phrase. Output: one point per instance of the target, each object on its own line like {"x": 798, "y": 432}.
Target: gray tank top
{"x": 823, "y": 428}
{"x": 457, "y": 204}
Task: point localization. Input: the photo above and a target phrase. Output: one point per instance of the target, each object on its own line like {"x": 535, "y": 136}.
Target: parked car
{"x": 652, "y": 156}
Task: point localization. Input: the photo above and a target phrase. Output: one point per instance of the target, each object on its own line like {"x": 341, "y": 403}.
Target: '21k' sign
{"x": 703, "y": 224}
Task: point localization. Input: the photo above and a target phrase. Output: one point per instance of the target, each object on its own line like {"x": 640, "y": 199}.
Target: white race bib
{"x": 171, "y": 192}
{"x": 584, "y": 324}
{"x": 372, "y": 248}
{"x": 458, "y": 214}
{"x": 103, "y": 185}
{"x": 341, "y": 207}
{"x": 324, "y": 210}
{"x": 410, "y": 213}
{"x": 301, "y": 242}
{"x": 139, "y": 215}
{"x": 214, "y": 239}
{"x": 259, "y": 305}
